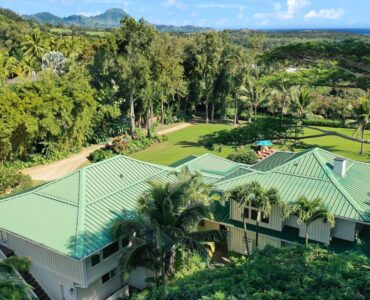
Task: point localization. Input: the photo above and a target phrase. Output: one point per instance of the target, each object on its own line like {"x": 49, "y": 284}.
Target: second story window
{"x": 108, "y": 276}
{"x": 251, "y": 213}
{"x": 110, "y": 250}
{"x": 95, "y": 259}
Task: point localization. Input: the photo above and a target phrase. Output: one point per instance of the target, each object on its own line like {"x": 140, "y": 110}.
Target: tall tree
{"x": 34, "y": 45}
{"x": 302, "y": 100}
{"x": 308, "y": 211}
{"x": 362, "y": 111}
{"x": 134, "y": 41}
{"x": 166, "y": 221}
{"x": 204, "y": 57}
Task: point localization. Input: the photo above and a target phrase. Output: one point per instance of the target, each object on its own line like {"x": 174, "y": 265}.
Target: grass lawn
{"x": 181, "y": 144}
{"x": 184, "y": 143}
{"x": 338, "y": 145}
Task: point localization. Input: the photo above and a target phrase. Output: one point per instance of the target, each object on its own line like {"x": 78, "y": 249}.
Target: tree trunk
{"x": 362, "y": 152}
{"x": 132, "y": 116}
{"x": 207, "y": 118}
{"x": 235, "y": 112}
{"x": 246, "y": 235}
{"x": 148, "y": 123}
{"x": 213, "y": 112}
{"x": 306, "y": 235}
{"x": 178, "y": 104}
{"x": 162, "y": 111}
{"x": 258, "y": 227}
{"x": 255, "y": 112}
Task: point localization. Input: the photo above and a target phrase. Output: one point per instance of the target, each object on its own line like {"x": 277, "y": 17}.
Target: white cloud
{"x": 221, "y": 6}
{"x": 176, "y": 4}
{"x": 330, "y": 14}
{"x": 90, "y": 13}
{"x": 292, "y": 8}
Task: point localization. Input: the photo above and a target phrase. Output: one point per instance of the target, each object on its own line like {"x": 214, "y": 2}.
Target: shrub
{"x": 11, "y": 181}
{"x": 244, "y": 156}
{"x": 294, "y": 272}
{"x": 100, "y": 155}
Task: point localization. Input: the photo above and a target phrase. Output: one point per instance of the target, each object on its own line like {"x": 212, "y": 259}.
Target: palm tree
{"x": 11, "y": 285}
{"x": 197, "y": 189}
{"x": 302, "y": 98}
{"x": 363, "y": 119}
{"x": 257, "y": 93}
{"x": 34, "y": 45}
{"x": 260, "y": 198}
{"x": 240, "y": 195}
{"x": 282, "y": 96}
{"x": 308, "y": 211}
{"x": 166, "y": 221}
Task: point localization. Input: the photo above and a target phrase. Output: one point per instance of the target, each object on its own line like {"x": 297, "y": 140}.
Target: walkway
{"x": 66, "y": 166}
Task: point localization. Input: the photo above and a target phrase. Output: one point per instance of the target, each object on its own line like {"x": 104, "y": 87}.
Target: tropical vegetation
{"x": 275, "y": 273}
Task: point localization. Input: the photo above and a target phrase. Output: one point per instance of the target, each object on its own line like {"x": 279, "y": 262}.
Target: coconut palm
{"x": 302, "y": 99}
{"x": 260, "y": 198}
{"x": 308, "y": 211}
{"x": 34, "y": 45}
{"x": 362, "y": 112}
{"x": 197, "y": 189}
{"x": 166, "y": 221}
{"x": 11, "y": 285}
{"x": 257, "y": 93}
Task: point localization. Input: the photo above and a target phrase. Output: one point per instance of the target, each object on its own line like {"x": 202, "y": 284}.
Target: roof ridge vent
{"x": 339, "y": 166}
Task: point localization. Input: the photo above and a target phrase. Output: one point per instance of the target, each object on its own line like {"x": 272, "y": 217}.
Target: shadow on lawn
{"x": 188, "y": 144}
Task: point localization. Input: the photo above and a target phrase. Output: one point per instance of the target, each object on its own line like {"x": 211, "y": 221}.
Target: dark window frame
{"x": 93, "y": 263}
{"x": 110, "y": 250}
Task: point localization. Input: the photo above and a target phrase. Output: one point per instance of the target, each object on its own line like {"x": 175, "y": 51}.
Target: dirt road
{"x": 66, "y": 166}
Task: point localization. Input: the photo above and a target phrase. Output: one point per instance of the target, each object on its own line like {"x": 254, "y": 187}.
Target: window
{"x": 108, "y": 276}
{"x": 3, "y": 237}
{"x": 95, "y": 259}
{"x": 125, "y": 242}
{"x": 325, "y": 220}
{"x": 223, "y": 227}
{"x": 265, "y": 220}
{"x": 254, "y": 214}
{"x": 110, "y": 250}
{"x": 105, "y": 277}
{"x": 246, "y": 213}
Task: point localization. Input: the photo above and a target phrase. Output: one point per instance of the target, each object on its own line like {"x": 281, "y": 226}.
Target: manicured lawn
{"x": 338, "y": 145}
{"x": 184, "y": 143}
{"x": 181, "y": 144}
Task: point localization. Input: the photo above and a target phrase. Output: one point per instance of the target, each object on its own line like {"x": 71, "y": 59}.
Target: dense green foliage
{"x": 244, "y": 156}
{"x": 12, "y": 285}
{"x": 165, "y": 224}
{"x": 129, "y": 76}
{"x": 285, "y": 273}
{"x": 12, "y": 181}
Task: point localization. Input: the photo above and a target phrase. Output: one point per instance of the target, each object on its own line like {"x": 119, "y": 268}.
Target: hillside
{"x": 109, "y": 19}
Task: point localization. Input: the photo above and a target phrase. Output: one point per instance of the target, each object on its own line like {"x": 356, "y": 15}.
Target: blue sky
{"x": 217, "y": 13}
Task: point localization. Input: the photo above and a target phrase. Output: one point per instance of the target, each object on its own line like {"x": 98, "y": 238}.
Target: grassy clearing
{"x": 184, "y": 143}
{"x": 181, "y": 144}
{"x": 338, "y": 145}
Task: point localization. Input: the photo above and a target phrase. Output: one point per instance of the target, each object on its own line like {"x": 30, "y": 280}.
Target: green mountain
{"x": 109, "y": 19}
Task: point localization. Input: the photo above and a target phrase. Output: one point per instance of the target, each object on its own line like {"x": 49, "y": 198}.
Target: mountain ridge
{"x": 109, "y": 19}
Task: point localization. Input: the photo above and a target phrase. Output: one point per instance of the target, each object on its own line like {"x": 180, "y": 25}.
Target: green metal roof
{"x": 212, "y": 165}
{"x": 72, "y": 215}
{"x": 310, "y": 173}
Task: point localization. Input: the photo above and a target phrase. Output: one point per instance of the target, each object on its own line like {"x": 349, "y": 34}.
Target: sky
{"x": 254, "y": 14}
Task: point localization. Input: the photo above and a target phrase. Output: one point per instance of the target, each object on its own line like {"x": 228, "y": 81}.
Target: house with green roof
{"x": 64, "y": 225}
